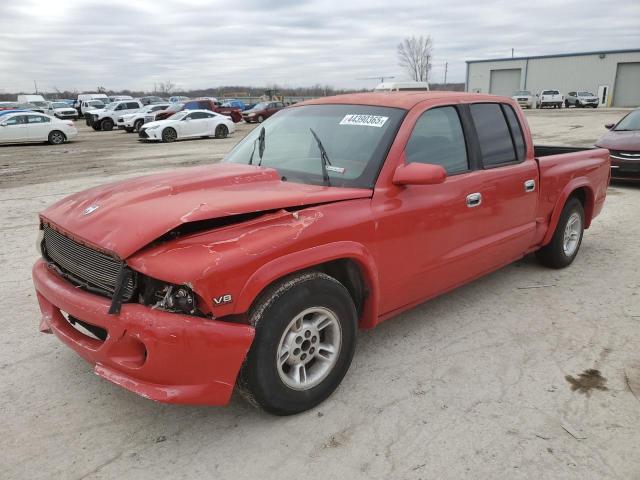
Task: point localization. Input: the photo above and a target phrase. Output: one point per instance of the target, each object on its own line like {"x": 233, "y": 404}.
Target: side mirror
{"x": 419, "y": 174}
{"x": 609, "y": 126}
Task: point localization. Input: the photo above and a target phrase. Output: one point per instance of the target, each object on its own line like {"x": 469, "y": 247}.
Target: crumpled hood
{"x": 125, "y": 216}
{"x": 629, "y": 141}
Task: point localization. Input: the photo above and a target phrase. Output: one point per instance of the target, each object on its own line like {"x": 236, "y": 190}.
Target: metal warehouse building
{"x": 614, "y": 75}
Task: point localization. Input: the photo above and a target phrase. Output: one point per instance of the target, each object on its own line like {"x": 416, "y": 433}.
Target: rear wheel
{"x": 567, "y": 238}
{"x": 57, "y": 137}
{"x": 305, "y": 336}
{"x": 169, "y": 135}
{"x": 222, "y": 131}
{"x": 106, "y": 124}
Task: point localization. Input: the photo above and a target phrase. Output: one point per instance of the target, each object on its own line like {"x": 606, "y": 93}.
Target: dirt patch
{"x": 587, "y": 381}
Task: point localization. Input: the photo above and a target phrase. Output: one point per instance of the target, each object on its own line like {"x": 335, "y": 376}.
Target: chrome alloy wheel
{"x": 309, "y": 348}
{"x": 572, "y": 232}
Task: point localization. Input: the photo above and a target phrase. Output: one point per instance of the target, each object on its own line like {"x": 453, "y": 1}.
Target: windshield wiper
{"x": 260, "y": 141}
{"x": 324, "y": 159}
{"x": 261, "y": 144}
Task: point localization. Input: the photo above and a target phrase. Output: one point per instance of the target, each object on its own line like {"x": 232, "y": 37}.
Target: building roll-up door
{"x": 626, "y": 92}
{"x": 504, "y": 82}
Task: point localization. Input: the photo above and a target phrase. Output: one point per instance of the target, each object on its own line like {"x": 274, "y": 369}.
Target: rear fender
{"x": 282, "y": 266}
{"x": 569, "y": 189}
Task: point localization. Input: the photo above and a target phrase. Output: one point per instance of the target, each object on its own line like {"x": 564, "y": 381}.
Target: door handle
{"x": 529, "y": 185}
{"x": 474, "y": 200}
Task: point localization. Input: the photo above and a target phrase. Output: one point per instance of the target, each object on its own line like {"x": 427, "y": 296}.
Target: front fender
{"x": 282, "y": 266}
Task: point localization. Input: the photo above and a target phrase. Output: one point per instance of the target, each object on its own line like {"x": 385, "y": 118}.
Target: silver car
{"x": 581, "y": 100}
{"x": 524, "y": 98}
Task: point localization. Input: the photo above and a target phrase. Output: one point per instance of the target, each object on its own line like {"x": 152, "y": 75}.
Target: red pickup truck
{"x": 257, "y": 272}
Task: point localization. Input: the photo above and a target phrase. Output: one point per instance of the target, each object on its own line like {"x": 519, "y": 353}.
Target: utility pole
{"x": 35, "y": 85}
{"x": 446, "y": 67}
{"x": 512, "y": 53}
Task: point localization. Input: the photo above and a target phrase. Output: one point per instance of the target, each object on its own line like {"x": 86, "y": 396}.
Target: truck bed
{"x": 547, "y": 150}
{"x": 565, "y": 169}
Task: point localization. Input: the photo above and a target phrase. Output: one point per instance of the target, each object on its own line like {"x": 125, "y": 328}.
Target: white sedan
{"x": 188, "y": 124}
{"x": 21, "y": 127}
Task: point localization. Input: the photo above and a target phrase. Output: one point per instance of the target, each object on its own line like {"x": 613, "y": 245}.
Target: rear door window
{"x": 516, "y": 131}
{"x": 438, "y": 139}
{"x": 494, "y": 137}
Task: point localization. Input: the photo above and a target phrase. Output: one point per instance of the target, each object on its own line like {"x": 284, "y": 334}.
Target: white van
{"x": 402, "y": 86}
{"x": 30, "y": 99}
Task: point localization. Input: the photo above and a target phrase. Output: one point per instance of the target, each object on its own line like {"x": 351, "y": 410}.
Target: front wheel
{"x": 106, "y": 124}
{"x": 567, "y": 238}
{"x": 221, "y": 131}
{"x": 260, "y": 119}
{"x": 305, "y": 337}
{"x": 57, "y": 137}
{"x": 169, "y": 135}
{"x": 137, "y": 124}
{"x": 566, "y": 103}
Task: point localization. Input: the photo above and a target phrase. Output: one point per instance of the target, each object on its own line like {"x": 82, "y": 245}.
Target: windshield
{"x": 39, "y": 103}
{"x": 179, "y": 115}
{"x": 95, "y": 103}
{"x": 260, "y": 106}
{"x": 111, "y": 106}
{"x": 355, "y": 137}
{"x": 585, "y": 94}
{"x": 630, "y": 122}
{"x": 59, "y": 105}
{"x": 551, "y": 92}
{"x": 522, "y": 92}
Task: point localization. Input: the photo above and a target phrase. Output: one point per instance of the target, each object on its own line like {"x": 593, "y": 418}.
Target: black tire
{"x": 221, "y": 131}
{"x": 260, "y": 380}
{"x": 169, "y": 135}
{"x": 137, "y": 124}
{"x": 566, "y": 103}
{"x": 260, "y": 119}
{"x": 56, "y": 137}
{"x": 553, "y": 254}
{"x": 106, "y": 125}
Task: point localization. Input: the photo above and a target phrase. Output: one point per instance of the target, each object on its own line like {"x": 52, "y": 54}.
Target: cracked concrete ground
{"x": 474, "y": 384}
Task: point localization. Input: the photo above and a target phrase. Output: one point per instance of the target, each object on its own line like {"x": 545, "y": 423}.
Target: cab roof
{"x": 405, "y": 100}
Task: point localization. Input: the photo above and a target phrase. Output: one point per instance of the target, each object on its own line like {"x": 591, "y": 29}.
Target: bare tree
{"x": 414, "y": 55}
{"x": 165, "y": 88}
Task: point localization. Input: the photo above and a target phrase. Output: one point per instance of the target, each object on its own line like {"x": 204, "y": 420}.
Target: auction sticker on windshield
{"x": 364, "y": 120}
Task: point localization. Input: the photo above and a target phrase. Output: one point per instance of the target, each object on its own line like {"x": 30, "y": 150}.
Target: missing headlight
{"x": 165, "y": 296}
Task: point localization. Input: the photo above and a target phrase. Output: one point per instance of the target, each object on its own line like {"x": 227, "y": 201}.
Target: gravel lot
{"x": 492, "y": 380}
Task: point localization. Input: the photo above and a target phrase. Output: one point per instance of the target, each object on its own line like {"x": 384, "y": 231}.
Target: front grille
{"x": 626, "y": 155}
{"x": 85, "y": 267}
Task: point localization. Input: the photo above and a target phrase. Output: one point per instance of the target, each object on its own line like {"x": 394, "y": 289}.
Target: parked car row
{"x": 553, "y": 98}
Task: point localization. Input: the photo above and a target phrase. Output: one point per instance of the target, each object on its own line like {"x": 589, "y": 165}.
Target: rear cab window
{"x": 500, "y": 137}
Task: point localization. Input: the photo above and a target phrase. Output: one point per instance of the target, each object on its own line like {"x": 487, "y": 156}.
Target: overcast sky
{"x": 80, "y": 44}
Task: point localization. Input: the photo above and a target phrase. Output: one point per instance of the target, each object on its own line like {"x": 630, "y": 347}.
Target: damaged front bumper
{"x": 167, "y": 357}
